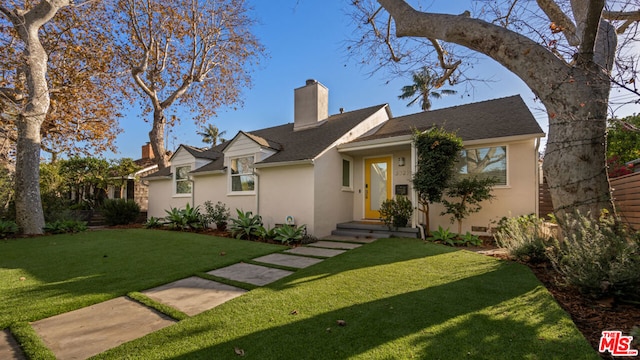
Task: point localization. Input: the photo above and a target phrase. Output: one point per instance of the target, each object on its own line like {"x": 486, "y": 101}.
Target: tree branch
{"x": 560, "y": 20}
{"x": 590, "y": 30}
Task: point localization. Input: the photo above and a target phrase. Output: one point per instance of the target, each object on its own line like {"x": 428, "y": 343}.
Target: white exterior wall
{"x": 519, "y": 197}
{"x": 287, "y": 191}
{"x": 161, "y": 198}
{"x": 333, "y": 204}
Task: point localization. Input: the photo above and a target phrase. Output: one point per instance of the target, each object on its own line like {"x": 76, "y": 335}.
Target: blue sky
{"x": 304, "y": 39}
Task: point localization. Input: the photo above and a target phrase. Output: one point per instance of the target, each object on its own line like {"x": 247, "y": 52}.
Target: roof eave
{"x": 375, "y": 143}
{"x": 504, "y": 139}
{"x": 283, "y": 163}
{"x": 209, "y": 172}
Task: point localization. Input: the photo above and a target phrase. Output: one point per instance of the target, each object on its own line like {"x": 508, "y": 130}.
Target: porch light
{"x": 401, "y": 161}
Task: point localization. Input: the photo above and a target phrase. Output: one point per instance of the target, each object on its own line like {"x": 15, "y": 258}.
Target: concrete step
{"x": 376, "y": 230}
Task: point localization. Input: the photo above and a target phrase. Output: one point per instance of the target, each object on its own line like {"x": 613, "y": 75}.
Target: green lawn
{"x": 67, "y": 272}
{"x": 400, "y": 298}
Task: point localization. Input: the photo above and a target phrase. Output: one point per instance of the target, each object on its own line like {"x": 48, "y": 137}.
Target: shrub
{"x": 153, "y": 223}
{"x": 120, "y": 211}
{"x": 265, "y": 233}
{"x": 396, "y": 213}
{"x": 217, "y": 214}
{"x": 8, "y": 228}
{"x": 600, "y": 257}
{"x": 524, "y": 238}
{"x": 443, "y": 235}
{"x": 188, "y": 218}
{"x": 65, "y": 226}
{"x": 246, "y": 225}
{"x": 470, "y": 239}
{"x": 287, "y": 234}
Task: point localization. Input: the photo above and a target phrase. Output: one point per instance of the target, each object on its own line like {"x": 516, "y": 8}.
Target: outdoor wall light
{"x": 401, "y": 161}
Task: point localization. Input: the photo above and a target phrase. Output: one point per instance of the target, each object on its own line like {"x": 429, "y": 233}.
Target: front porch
{"x": 373, "y": 230}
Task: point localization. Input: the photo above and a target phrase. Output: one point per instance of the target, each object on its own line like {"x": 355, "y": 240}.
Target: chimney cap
{"x": 311, "y": 81}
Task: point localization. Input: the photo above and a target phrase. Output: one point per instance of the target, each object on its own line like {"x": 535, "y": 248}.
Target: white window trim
{"x": 506, "y": 151}
{"x": 174, "y": 181}
{"x": 350, "y": 160}
{"x": 230, "y": 191}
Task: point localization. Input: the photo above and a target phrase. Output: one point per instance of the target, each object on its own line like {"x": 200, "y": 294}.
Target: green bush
{"x": 446, "y": 236}
{"x": 524, "y": 238}
{"x": 396, "y": 213}
{"x": 8, "y": 228}
{"x": 120, "y": 211}
{"x": 188, "y": 218}
{"x": 217, "y": 214}
{"x": 65, "y": 226}
{"x": 246, "y": 225}
{"x": 153, "y": 223}
{"x": 287, "y": 234}
{"x": 600, "y": 257}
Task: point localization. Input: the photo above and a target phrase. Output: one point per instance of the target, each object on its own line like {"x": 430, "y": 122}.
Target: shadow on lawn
{"x": 477, "y": 316}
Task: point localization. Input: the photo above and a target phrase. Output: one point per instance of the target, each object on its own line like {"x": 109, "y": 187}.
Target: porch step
{"x": 372, "y": 230}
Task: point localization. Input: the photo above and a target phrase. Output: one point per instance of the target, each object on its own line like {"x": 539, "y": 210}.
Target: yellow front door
{"x": 377, "y": 187}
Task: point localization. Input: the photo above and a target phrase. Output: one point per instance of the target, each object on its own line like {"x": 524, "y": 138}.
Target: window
{"x": 346, "y": 174}
{"x": 485, "y": 162}
{"x": 183, "y": 184}
{"x": 242, "y": 178}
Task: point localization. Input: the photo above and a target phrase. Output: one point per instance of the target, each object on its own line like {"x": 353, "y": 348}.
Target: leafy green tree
{"x": 423, "y": 88}
{"x": 470, "y": 192}
{"x": 85, "y": 177}
{"x": 437, "y": 155}
{"x": 623, "y": 138}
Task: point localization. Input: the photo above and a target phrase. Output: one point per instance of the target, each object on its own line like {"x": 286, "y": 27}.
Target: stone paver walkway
{"x": 194, "y": 295}
{"x": 9, "y": 348}
{"x": 251, "y": 274}
{"x": 89, "y": 331}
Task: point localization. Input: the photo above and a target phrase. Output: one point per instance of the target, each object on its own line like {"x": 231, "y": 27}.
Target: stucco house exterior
{"x": 323, "y": 169}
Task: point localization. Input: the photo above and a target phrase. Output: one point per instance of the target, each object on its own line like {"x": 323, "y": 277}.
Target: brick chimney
{"x": 147, "y": 151}
{"x": 311, "y": 104}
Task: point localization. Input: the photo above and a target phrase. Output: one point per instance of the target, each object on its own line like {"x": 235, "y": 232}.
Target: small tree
{"x": 437, "y": 154}
{"x": 470, "y": 191}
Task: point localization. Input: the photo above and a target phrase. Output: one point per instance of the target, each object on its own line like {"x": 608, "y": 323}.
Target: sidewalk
{"x": 89, "y": 331}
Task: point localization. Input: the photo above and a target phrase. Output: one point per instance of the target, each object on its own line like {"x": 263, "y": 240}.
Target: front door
{"x": 377, "y": 186}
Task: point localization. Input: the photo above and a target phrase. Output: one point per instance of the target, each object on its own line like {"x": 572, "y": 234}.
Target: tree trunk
{"x": 156, "y": 137}
{"x": 29, "y": 213}
{"x": 575, "y": 159}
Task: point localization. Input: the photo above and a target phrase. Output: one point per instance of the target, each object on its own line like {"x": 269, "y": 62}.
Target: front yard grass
{"x": 399, "y": 299}
{"x": 44, "y": 276}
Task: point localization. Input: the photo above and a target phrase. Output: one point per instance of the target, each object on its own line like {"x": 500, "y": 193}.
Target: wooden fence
{"x": 626, "y": 197}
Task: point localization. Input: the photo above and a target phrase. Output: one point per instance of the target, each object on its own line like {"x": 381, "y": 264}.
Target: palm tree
{"x": 211, "y": 134}
{"x": 423, "y": 85}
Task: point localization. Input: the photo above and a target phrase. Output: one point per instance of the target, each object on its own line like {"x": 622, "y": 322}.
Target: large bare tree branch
{"x": 560, "y": 20}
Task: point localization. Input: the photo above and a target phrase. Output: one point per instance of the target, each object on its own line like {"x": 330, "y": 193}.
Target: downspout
{"x": 414, "y": 195}
{"x": 257, "y": 188}
{"x": 537, "y": 176}
{"x": 193, "y": 190}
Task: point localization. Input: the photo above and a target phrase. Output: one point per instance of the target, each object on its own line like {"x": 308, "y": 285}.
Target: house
{"x": 323, "y": 170}
{"x": 134, "y": 187}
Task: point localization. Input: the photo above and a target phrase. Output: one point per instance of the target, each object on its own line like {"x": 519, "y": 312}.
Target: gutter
{"x": 283, "y": 163}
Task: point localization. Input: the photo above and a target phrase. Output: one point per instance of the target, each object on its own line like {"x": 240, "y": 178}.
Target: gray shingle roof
{"x": 503, "y": 117}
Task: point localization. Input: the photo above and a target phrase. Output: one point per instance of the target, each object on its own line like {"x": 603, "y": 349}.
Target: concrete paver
{"x": 315, "y": 251}
{"x": 194, "y": 295}
{"x": 293, "y": 261}
{"x": 9, "y": 348}
{"x": 354, "y": 239}
{"x": 89, "y": 331}
{"x": 250, "y": 273}
{"x": 335, "y": 245}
